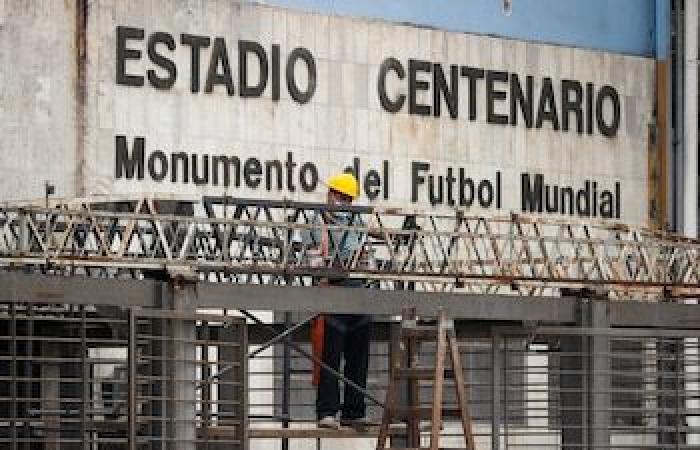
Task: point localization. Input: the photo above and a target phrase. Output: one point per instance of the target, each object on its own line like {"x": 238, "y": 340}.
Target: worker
{"x": 344, "y": 335}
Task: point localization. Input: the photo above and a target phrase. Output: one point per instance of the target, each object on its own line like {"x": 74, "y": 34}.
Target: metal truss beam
{"x": 273, "y": 243}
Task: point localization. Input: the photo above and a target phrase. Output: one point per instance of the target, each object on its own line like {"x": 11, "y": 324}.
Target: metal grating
{"x": 85, "y": 377}
{"x": 633, "y": 392}
{"x": 531, "y": 389}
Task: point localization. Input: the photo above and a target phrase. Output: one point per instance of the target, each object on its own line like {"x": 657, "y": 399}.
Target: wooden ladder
{"x": 404, "y": 368}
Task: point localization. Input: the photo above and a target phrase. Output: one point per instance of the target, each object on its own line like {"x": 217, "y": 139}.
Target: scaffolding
{"x": 137, "y": 323}
{"x": 254, "y": 241}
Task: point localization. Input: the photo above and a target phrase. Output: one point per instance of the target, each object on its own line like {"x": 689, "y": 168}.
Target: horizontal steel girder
{"x": 46, "y": 289}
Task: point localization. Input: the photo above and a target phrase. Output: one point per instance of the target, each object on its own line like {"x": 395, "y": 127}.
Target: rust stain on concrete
{"x": 80, "y": 80}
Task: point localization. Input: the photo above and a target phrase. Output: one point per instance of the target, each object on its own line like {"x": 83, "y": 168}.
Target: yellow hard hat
{"x": 345, "y": 183}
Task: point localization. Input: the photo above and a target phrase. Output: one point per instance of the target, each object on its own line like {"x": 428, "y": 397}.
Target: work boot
{"x": 329, "y": 422}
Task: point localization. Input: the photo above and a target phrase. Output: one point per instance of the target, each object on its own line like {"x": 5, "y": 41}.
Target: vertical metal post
{"x": 286, "y": 382}
{"x": 243, "y": 386}
{"x": 598, "y": 374}
{"x": 132, "y": 379}
{"x": 691, "y": 371}
{"x": 13, "y": 331}
{"x": 505, "y": 392}
{"x": 205, "y": 391}
{"x": 85, "y": 391}
{"x": 161, "y": 346}
{"x": 679, "y": 387}
{"x": 23, "y": 237}
{"x": 28, "y": 371}
{"x": 496, "y": 384}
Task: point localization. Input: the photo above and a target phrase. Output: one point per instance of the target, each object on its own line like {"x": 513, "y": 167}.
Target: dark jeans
{"x": 348, "y": 335}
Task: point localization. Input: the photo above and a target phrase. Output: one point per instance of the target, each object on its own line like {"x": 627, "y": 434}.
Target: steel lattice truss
{"x": 277, "y": 242}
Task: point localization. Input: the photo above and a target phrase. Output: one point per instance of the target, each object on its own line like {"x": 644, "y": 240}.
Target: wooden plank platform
{"x": 310, "y": 432}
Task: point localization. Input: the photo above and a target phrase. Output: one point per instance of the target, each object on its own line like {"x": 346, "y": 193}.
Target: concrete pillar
{"x": 183, "y": 353}
{"x": 599, "y": 379}
{"x": 586, "y": 407}
{"x": 233, "y": 386}
{"x": 572, "y": 400}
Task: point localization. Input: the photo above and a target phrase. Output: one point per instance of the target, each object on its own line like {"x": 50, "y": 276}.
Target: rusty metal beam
{"x": 277, "y": 243}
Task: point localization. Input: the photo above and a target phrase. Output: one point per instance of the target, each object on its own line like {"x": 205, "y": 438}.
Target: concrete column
{"x": 599, "y": 379}
{"x": 229, "y": 391}
{"x": 183, "y": 353}
{"x": 586, "y": 407}
{"x": 572, "y": 399}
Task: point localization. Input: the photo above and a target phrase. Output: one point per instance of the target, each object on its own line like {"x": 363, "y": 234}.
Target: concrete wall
{"x": 37, "y": 97}
{"x": 47, "y": 124}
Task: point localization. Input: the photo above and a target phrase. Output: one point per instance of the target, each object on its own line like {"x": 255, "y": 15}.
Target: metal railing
{"x": 533, "y": 388}
{"x": 267, "y": 242}
{"x": 86, "y": 377}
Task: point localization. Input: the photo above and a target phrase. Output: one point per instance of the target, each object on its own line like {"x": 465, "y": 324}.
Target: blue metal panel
{"x": 662, "y": 29}
{"x": 622, "y": 26}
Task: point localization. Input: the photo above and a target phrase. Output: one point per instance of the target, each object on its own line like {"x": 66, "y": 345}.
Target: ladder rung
{"x": 420, "y": 332}
{"x": 420, "y": 373}
{"x": 409, "y": 448}
{"x": 423, "y": 412}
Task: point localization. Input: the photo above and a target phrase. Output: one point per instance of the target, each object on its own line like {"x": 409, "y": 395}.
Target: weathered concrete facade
{"x": 37, "y": 97}
{"x": 60, "y": 114}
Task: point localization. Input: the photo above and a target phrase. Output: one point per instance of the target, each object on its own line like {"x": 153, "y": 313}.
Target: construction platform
{"x": 179, "y": 324}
